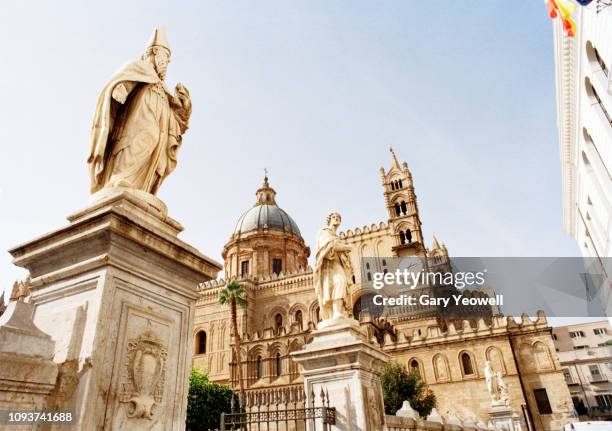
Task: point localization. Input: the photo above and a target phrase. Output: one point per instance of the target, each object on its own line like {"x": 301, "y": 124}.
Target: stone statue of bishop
{"x": 138, "y": 124}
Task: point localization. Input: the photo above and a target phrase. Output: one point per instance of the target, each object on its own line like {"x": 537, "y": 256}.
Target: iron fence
{"x": 286, "y": 409}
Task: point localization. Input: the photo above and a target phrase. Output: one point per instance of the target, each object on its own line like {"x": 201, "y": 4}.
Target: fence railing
{"x": 286, "y": 409}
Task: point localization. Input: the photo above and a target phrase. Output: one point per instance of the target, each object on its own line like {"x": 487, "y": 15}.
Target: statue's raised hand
{"x": 183, "y": 95}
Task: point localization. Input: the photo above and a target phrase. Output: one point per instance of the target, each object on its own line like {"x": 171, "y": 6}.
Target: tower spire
{"x": 402, "y": 208}
{"x": 394, "y": 162}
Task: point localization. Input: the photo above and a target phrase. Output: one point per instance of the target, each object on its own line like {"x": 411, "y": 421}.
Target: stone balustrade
{"x": 407, "y": 419}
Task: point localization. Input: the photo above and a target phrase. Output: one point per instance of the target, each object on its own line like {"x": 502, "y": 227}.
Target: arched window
{"x": 278, "y": 321}
{"x": 200, "y": 342}
{"x": 402, "y": 237}
{"x": 277, "y": 266}
{"x": 317, "y": 314}
{"x": 404, "y": 207}
{"x": 408, "y": 236}
{"x": 414, "y": 367}
{"x": 259, "y": 368}
{"x": 298, "y": 317}
{"x": 466, "y": 364}
{"x": 595, "y": 99}
{"x": 398, "y": 210}
{"x": 279, "y": 365}
{"x": 400, "y": 184}
{"x": 595, "y": 59}
{"x": 392, "y": 185}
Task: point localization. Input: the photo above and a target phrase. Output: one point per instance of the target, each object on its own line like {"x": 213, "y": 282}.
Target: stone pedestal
{"x": 343, "y": 363}
{"x": 116, "y": 290}
{"x": 504, "y": 418}
{"x": 27, "y": 373}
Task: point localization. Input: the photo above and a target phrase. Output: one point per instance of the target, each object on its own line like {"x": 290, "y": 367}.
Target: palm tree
{"x": 233, "y": 294}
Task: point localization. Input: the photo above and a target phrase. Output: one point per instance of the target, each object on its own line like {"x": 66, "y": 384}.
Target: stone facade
{"x": 585, "y": 353}
{"x": 282, "y": 313}
{"x": 584, "y": 119}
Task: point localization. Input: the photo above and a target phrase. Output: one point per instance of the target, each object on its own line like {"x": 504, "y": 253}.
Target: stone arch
{"x": 356, "y": 308}
{"x": 200, "y": 342}
{"x": 277, "y": 355}
{"x": 313, "y": 312}
{"x": 222, "y": 334}
{"x": 542, "y": 354}
{"x": 364, "y": 250}
{"x": 378, "y": 248}
{"x": 441, "y": 369}
{"x": 496, "y": 357}
{"x": 467, "y": 363}
{"x": 415, "y": 364}
{"x": 293, "y": 318}
{"x": 256, "y": 363}
{"x": 277, "y": 346}
{"x": 271, "y": 317}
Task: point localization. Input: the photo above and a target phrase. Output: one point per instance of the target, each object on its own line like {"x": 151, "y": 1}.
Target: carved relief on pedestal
{"x": 144, "y": 375}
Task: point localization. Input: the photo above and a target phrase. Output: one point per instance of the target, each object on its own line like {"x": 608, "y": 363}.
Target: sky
{"x": 314, "y": 91}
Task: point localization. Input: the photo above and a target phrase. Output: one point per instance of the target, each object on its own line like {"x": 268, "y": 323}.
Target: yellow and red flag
{"x": 564, "y": 9}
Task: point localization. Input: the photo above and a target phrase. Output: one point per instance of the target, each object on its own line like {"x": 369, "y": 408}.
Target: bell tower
{"x": 402, "y": 209}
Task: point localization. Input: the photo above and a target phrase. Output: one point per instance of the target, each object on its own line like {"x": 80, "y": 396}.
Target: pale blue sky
{"x": 316, "y": 91}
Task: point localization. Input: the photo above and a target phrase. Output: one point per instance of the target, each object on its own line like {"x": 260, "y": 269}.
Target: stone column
{"x": 344, "y": 364}
{"x": 116, "y": 290}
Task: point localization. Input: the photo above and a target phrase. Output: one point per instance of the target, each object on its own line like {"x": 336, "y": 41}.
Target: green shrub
{"x": 206, "y": 401}
{"x": 400, "y": 385}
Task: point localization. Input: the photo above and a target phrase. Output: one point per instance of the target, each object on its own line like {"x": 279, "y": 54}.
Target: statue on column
{"x": 138, "y": 124}
{"x": 332, "y": 273}
{"x": 496, "y": 386}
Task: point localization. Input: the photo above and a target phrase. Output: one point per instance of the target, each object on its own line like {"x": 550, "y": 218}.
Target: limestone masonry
{"x": 268, "y": 255}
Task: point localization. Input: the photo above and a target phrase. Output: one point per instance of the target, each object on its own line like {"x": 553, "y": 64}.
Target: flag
{"x": 564, "y": 9}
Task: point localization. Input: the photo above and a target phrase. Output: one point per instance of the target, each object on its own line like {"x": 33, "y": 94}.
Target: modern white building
{"x": 585, "y": 353}
{"x": 584, "y": 118}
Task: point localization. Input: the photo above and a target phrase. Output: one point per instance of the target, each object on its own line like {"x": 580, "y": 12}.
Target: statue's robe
{"x": 134, "y": 144}
{"x": 332, "y": 272}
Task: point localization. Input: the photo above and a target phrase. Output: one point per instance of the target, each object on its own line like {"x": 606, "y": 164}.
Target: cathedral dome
{"x": 266, "y": 214}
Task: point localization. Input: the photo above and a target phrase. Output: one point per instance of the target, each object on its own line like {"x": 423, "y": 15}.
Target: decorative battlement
{"x": 275, "y": 335}
{"x": 282, "y": 283}
{"x": 435, "y": 334}
{"x": 373, "y": 228}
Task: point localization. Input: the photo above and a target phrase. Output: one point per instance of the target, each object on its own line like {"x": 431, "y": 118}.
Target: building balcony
{"x": 600, "y": 412}
{"x": 599, "y": 379}
{"x": 571, "y": 381}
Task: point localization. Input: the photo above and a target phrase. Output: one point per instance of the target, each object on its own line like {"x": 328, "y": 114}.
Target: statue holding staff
{"x": 138, "y": 124}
